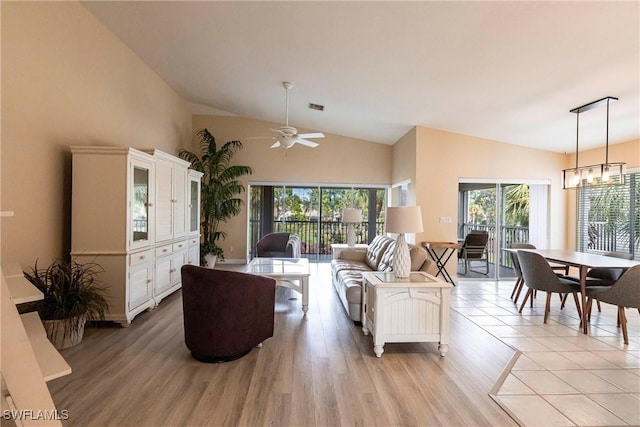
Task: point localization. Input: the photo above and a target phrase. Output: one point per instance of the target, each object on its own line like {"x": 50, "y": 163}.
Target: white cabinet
{"x": 193, "y": 207}
{"x": 171, "y": 196}
{"x": 169, "y": 261}
{"x": 193, "y": 250}
{"x": 140, "y": 278}
{"x": 131, "y": 214}
{"x": 415, "y": 309}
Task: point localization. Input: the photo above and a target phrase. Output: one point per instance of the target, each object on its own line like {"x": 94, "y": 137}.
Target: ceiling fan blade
{"x": 307, "y": 143}
{"x": 276, "y": 144}
{"x": 311, "y": 135}
{"x": 278, "y": 132}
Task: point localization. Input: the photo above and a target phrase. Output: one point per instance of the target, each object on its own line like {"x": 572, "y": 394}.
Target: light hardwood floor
{"x": 317, "y": 370}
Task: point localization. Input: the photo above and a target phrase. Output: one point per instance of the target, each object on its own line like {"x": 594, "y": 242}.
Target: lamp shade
{"x": 404, "y": 219}
{"x": 352, "y": 215}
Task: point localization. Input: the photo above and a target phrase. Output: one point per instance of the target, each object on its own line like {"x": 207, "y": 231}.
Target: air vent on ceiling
{"x": 316, "y": 107}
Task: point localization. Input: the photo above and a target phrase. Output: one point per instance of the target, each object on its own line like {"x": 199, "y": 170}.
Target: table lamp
{"x": 403, "y": 219}
{"x": 351, "y": 216}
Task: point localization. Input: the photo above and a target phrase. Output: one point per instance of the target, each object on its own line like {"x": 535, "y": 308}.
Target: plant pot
{"x": 210, "y": 260}
{"x": 64, "y": 333}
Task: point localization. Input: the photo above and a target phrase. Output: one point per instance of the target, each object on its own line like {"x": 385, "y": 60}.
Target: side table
{"x": 415, "y": 309}
{"x": 337, "y": 248}
{"x": 446, "y": 250}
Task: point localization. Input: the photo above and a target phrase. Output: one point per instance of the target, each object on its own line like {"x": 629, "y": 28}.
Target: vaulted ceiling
{"x": 507, "y": 71}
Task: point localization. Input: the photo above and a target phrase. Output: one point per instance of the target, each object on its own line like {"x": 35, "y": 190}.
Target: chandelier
{"x": 593, "y": 175}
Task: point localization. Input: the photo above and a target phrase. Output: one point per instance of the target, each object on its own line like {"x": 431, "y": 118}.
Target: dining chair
{"x": 625, "y": 292}
{"x": 538, "y": 275}
{"x": 603, "y": 276}
{"x": 517, "y": 287}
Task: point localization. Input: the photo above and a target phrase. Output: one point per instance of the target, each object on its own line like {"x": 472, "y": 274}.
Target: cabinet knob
{"x": 164, "y": 250}
{"x": 150, "y": 204}
{"x": 141, "y": 256}
{"x": 148, "y": 280}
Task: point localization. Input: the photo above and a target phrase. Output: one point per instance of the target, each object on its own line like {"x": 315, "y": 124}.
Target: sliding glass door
{"x": 315, "y": 214}
{"x": 510, "y": 213}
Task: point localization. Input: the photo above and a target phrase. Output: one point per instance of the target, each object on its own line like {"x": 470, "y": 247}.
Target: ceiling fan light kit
{"x": 603, "y": 174}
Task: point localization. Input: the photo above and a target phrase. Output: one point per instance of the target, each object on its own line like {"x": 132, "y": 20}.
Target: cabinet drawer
{"x": 163, "y": 250}
{"x": 140, "y": 257}
{"x": 194, "y": 241}
{"x": 180, "y": 246}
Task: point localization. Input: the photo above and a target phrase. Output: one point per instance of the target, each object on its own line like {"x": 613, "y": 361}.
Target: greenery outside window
{"x": 315, "y": 214}
{"x": 609, "y": 218}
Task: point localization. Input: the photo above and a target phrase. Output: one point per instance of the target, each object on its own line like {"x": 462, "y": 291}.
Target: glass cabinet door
{"x": 194, "y": 202}
{"x": 140, "y": 205}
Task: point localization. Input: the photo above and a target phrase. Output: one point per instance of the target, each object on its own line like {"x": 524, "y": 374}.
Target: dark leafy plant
{"x": 71, "y": 291}
{"x": 220, "y": 187}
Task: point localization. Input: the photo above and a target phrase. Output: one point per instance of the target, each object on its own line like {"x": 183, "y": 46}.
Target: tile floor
{"x": 559, "y": 376}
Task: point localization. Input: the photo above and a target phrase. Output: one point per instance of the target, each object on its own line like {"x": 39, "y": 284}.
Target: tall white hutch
{"x": 137, "y": 214}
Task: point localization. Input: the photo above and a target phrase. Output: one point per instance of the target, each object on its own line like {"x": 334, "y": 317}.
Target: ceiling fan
{"x": 286, "y": 136}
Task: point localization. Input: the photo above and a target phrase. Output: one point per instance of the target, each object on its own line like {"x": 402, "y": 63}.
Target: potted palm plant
{"x": 72, "y": 296}
{"x": 220, "y": 188}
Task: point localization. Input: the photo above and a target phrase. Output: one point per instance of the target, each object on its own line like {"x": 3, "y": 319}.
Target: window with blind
{"x": 609, "y": 218}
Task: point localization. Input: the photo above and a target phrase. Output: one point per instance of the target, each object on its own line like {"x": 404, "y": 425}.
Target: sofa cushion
{"x": 375, "y": 250}
{"x": 338, "y": 265}
{"x": 386, "y": 260}
{"x": 418, "y": 256}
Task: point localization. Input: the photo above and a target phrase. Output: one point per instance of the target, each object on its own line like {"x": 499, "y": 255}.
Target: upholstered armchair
{"x": 226, "y": 313}
{"x": 279, "y": 245}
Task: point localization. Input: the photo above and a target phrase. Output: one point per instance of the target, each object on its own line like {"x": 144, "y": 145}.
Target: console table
{"x": 415, "y": 309}
{"x": 447, "y": 249}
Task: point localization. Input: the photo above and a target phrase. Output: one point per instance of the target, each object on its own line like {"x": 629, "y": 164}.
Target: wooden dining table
{"x": 583, "y": 262}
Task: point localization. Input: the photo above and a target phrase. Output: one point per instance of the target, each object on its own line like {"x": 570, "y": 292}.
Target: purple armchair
{"x": 226, "y": 313}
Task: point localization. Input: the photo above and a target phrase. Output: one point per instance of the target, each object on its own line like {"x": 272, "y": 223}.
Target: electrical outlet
{"x": 445, "y": 220}
{"x": 230, "y": 248}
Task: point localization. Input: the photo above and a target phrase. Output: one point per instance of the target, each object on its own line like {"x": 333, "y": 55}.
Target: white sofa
{"x": 346, "y": 271}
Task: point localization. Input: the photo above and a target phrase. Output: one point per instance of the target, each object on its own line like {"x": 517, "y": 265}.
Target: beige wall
{"x": 447, "y": 157}
{"x": 337, "y": 160}
{"x": 67, "y": 80}
{"x": 443, "y": 158}
{"x": 628, "y": 152}
{"x": 404, "y": 158}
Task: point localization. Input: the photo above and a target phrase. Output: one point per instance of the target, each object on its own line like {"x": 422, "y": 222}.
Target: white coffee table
{"x": 292, "y": 273}
{"x": 415, "y": 309}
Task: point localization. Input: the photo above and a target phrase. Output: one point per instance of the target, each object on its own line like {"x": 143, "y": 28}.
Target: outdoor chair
{"x": 279, "y": 245}
{"x": 474, "y": 248}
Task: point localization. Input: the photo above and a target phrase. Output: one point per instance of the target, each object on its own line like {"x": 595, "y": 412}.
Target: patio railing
{"x": 317, "y": 237}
